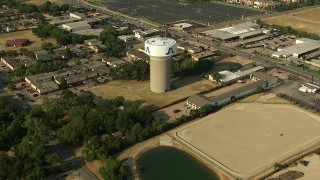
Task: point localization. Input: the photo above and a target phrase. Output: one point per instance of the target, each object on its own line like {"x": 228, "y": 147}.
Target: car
{"x": 31, "y": 100}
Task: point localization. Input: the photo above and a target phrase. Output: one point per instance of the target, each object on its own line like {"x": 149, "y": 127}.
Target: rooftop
{"x": 199, "y": 100}
{"x": 78, "y": 24}
{"x": 160, "y": 41}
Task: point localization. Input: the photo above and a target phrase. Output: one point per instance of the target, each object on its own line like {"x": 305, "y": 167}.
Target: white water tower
{"x": 160, "y": 51}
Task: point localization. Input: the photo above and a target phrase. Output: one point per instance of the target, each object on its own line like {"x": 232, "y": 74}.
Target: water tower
{"x": 160, "y": 51}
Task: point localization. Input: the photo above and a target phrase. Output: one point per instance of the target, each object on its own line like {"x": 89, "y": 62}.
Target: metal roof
{"x": 199, "y": 100}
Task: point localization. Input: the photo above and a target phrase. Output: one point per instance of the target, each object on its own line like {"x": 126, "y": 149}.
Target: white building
{"x": 77, "y": 15}
{"x": 302, "y": 47}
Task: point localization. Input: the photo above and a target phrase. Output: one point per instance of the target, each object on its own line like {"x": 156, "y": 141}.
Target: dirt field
{"x": 35, "y": 41}
{"x": 237, "y": 59}
{"x": 140, "y": 91}
{"x": 259, "y": 136}
{"x": 307, "y": 20}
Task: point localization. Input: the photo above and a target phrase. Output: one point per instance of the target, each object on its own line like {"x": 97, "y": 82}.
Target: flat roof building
{"x": 302, "y": 47}
{"x": 243, "y": 31}
{"x": 202, "y": 55}
{"x": 76, "y": 26}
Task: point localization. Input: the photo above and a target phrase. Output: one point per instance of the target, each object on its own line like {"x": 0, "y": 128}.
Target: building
{"x": 113, "y": 61}
{"x": 197, "y": 101}
{"x": 58, "y": 22}
{"x": 309, "y": 88}
{"x": 42, "y": 83}
{"x": 160, "y": 51}
{"x": 17, "y": 42}
{"x": 243, "y": 31}
{"x": 125, "y": 38}
{"x": 183, "y": 26}
{"x": 144, "y": 34}
{"x": 47, "y": 82}
{"x": 228, "y": 77}
{"x": 14, "y": 64}
{"x": 259, "y": 80}
{"x": 188, "y": 47}
{"x": 89, "y": 32}
{"x": 203, "y": 55}
{"x": 95, "y": 45}
{"x": 302, "y": 47}
{"x": 77, "y": 15}
{"x": 76, "y": 26}
{"x": 135, "y": 55}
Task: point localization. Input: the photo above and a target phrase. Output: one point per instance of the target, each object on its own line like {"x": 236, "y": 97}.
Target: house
{"x": 203, "y": 55}
{"x": 76, "y": 26}
{"x": 18, "y": 42}
{"x": 95, "y": 45}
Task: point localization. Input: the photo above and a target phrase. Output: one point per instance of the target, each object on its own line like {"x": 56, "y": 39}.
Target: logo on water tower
{"x": 147, "y": 50}
{"x": 170, "y": 50}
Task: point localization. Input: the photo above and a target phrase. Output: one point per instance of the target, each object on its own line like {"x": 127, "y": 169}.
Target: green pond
{"x": 166, "y": 163}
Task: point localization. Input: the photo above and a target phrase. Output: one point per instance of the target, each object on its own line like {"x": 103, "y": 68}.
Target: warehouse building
{"x": 259, "y": 81}
{"x": 243, "y": 31}
{"x": 302, "y": 47}
{"x": 76, "y": 26}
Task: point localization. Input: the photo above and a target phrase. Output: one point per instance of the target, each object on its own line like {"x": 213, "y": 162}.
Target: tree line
{"x": 283, "y": 6}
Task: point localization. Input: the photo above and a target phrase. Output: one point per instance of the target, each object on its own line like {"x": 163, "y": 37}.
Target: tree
{"x": 11, "y": 86}
{"x": 46, "y": 45}
{"x": 113, "y": 170}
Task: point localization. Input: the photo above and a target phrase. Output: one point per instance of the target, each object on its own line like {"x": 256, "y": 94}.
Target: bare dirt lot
{"x": 35, "y": 41}
{"x": 307, "y": 20}
{"x": 245, "y": 139}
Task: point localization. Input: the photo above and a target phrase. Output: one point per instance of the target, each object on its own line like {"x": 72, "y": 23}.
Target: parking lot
{"x": 167, "y": 11}
{"x": 291, "y": 88}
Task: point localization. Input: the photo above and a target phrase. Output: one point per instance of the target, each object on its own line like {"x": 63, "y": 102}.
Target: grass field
{"x": 35, "y": 41}
{"x": 247, "y": 138}
{"x": 237, "y": 59}
{"x": 307, "y": 20}
{"x": 140, "y": 91}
